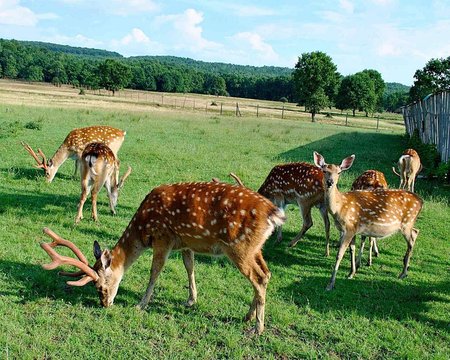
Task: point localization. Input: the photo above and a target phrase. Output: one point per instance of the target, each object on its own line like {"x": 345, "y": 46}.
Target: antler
{"x": 124, "y": 177}
{"x": 58, "y": 259}
{"x": 40, "y": 163}
{"x": 238, "y": 180}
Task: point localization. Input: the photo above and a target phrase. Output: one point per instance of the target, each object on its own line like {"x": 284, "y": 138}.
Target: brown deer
{"x": 99, "y": 166}
{"x": 409, "y": 166}
{"x": 377, "y": 213}
{"x": 369, "y": 180}
{"x": 209, "y": 218}
{"x": 302, "y": 184}
{"x": 73, "y": 147}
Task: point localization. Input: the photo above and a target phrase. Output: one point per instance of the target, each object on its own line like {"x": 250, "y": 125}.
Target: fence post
{"x": 378, "y": 121}
{"x": 282, "y": 112}
{"x": 221, "y": 105}
{"x": 346, "y": 119}
{"x": 257, "y": 110}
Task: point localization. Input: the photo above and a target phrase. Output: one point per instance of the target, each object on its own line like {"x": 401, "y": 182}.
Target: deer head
{"x": 42, "y": 163}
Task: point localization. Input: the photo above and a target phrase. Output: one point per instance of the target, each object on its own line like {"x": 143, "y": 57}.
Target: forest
{"x": 95, "y": 69}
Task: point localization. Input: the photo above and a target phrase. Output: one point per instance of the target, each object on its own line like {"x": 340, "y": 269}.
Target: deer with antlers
{"x": 377, "y": 213}
{"x": 302, "y": 184}
{"x": 73, "y": 146}
{"x": 409, "y": 166}
{"x": 209, "y": 218}
{"x": 99, "y": 166}
{"x": 369, "y": 180}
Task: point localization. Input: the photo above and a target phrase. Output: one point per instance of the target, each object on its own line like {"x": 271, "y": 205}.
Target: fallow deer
{"x": 377, "y": 213}
{"x": 409, "y": 166}
{"x": 99, "y": 166}
{"x": 209, "y": 218}
{"x": 302, "y": 184}
{"x": 369, "y": 180}
{"x": 73, "y": 146}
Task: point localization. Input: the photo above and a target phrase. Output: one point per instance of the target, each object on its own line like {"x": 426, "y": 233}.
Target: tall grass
{"x": 375, "y": 315}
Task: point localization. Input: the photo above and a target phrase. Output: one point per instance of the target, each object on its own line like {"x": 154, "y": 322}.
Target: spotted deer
{"x": 99, "y": 166}
{"x": 369, "y": 180}
{"x": 409, "y": 166}
{"x": 209, "y": 218}
{"x": 73, "y": 146}
{"x": 377, "y": 213}
{"x": 298, "y": 183}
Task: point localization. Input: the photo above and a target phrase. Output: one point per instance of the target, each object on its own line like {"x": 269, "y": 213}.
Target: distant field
{"x": 373, "y": 316}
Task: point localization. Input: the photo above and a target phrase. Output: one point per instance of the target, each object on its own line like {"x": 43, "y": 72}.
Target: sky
{"x": 394, "y": 37}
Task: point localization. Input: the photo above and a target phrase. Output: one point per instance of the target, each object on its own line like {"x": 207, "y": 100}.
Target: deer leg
{"x": 280, "y": 204}
{"x": 94, "y": 205}
{"x": 305, "y": 211}
{"x": 346, "y": 239}
{"x": 375, "y": 246}
{"x": 188, "y": 260}
{"x": 160, "y": 254}
{"x": 410, "y": 238}
{"x": 352, "y": 258}
{"x": 77, "y": 165}
{"x": 324, "y": 212}
{"x": 85, "y": 190}
{"x": 361, "y": 250}
{"x": 110, "y": 197}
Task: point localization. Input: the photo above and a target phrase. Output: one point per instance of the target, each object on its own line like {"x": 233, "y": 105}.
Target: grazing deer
{"x": 74, "y": 145}
{"x": 209, "y": 218}
{"x": 377, "y": 213}
{"x": 409, "y": 166}
{"x": 369, "y": 180}
{"x": 99, "y": 166}
{"x": 302, "y": 184}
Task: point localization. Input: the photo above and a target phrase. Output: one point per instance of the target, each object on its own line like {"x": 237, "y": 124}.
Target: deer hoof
{"x": 190, "y": 303}
{"x": 330, "y": 287}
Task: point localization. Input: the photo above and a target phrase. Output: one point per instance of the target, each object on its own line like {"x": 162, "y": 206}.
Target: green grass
{"x": 373, "y": 316}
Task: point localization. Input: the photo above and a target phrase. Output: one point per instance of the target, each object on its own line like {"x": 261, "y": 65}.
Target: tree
{"x": 357, "y": 92}
{"x": 315, "y": 81}
{"x": 434, "y": 77}
{"x": 379, "y": 87}
{"x": 393, "y": 101}
{"x": 114, "y": 75}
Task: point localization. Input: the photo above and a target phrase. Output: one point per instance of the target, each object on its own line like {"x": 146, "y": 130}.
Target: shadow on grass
{"x": 35, "y": 174}
{"x": 377, "y": 299}
{"x": 32, "y": 202}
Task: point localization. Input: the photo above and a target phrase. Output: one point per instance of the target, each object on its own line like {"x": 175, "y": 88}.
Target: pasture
{"x": 375, "y": 315}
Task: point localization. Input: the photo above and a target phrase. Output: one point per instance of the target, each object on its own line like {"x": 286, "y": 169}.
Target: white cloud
{"x": 257, "y": 44}
{"x": 136, "y": 36}
{"x": 189, "y": 33}
{"x": 127, "y": 7}
{"x": 347, "y": 5}
{"x": 12, "y": 13}
{"x": 77, "y": 40}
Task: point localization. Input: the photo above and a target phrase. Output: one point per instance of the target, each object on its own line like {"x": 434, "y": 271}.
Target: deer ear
{"x": 347, "y": 162}
{"x": 97, "y": 250}
{"x": 319, "y": 161}
{"x": 50, "y": 162}
{"x": 106, "y": 259}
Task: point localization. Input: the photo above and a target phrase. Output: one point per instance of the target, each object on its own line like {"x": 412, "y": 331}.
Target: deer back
{"x": 379, "y": 212}
{"x": 293, "y": 180}
{"x": 77, "y": 140}
{"x": 206, "y": 217}
{"x": 98, "y": 160}
{"x": 370, "y": 180}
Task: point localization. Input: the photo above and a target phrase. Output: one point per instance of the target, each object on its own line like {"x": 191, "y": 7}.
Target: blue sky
{"x": 395, "y": 37}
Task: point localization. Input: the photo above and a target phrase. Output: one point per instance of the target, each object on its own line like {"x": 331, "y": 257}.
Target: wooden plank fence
{"x": 431, "y": 117}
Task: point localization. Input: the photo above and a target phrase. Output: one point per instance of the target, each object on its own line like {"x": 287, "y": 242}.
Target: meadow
{"x": 375, "y": 315}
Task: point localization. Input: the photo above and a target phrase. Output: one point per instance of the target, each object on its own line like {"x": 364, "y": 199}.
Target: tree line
{"x": 314, "y": 82}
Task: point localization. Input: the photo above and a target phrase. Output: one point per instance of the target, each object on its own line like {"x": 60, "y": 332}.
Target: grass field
{"x": 372, "y": 316}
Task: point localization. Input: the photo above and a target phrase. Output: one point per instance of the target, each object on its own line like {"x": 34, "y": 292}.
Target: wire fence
{"x": 431, "y": 118}
{"x": 223, "y": 106}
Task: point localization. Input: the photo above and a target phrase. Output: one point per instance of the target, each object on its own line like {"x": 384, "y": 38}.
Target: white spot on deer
{"x": 213, "y": 221}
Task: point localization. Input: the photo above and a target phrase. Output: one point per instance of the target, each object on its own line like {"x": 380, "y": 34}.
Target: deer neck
{"x": 127, "y": 250}
{"x": 60, "y": 156}
{"x": 333, "y": 199}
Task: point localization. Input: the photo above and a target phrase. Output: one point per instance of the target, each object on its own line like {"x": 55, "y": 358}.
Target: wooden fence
{"x": 431, "y": 117}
